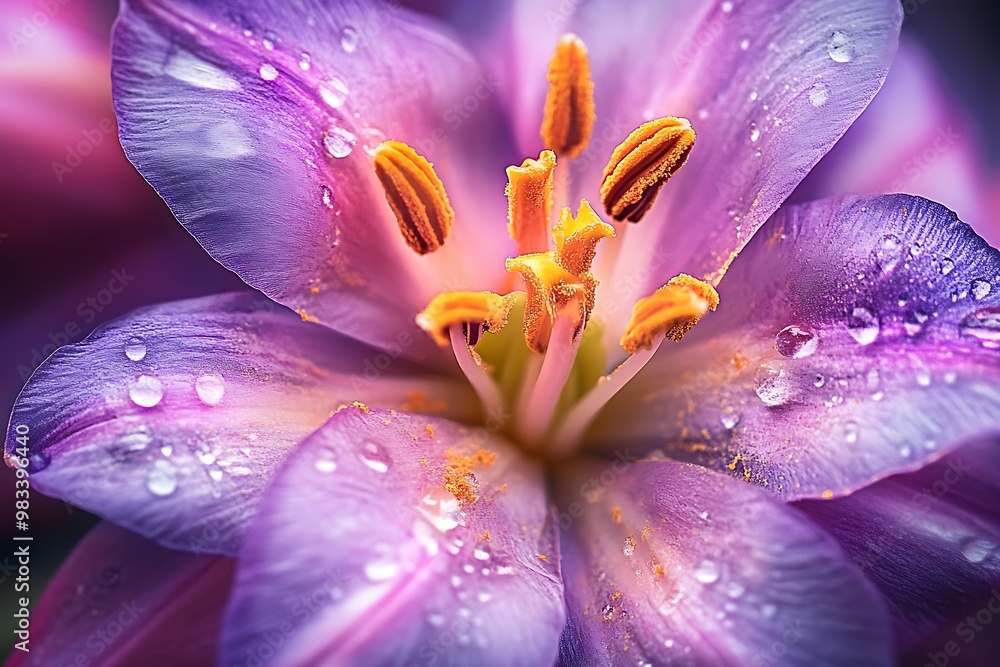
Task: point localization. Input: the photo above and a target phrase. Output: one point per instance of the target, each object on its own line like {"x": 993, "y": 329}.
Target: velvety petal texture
{"x": 670, "y": 563}
{"x": 856, "y": 338}
{"x": 120, "y": 599}
{"x": 930, "y": 540}
{"x": 394, "y": 539}
{"x": 172, "y": 420}
{"x": 769, "y": 87}
{"x": 254, "y": 121}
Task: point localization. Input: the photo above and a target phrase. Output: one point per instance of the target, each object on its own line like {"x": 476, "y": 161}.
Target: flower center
{"x": 535, "y": 356}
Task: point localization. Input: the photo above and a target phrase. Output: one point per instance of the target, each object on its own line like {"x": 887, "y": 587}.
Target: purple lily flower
{"x": 423, "y": 464}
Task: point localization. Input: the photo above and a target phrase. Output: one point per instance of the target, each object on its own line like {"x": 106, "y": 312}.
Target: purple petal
{"x": 386, "y": 566}
{"x": 171, "y": 421}
{"x": 122, "y": 600}
{"x": 669, "y": 563}
{"x": 252, "y": 120}
{"x": 856, "y": 338}
{"x": 929, "y": 539}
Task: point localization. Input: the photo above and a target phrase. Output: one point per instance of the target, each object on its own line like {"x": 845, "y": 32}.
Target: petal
{"x": 891, "y": 363}
{"x": 390, "y": 568}
{"x": 120, "y": 599}
{"x": 171, "y": 421}
{"x": 669, "y": 563}
{"x": 768, "y": 86}
{"x": 252, "y": 120}
{"x": 929, "y": 540}
{"x": 934, "y": 154}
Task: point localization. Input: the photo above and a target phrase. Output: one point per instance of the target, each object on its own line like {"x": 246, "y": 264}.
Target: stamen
{"x": 472, "y": 367}
{"x": 462, "y": 309}
{"x": 569, "y": 105}
{"x": 641, "y": 165}
{"x": 415, "y": 195}
{"x": 671, "y": 310}
{"x": 577, "y": 238}
{"x": 529, "y": 203}
{"x": 551, "y": 288}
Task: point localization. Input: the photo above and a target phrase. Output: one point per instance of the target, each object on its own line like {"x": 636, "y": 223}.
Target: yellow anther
{"x": 415, "y": 194}
{"x": 671, "y": 310}
{"x": 464, "y": 308}
{"x": 569, "y": 104}
{"x": 529, "y": 202}
{"x": 551, "y": 291}
{"x": 642, "y": 163}
{"x": 577, "y": 238}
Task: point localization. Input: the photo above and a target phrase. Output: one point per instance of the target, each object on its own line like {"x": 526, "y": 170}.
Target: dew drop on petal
{"x": 840, "y": 46}
{"x": 38, "y": 462}
{"x": 162, "y": 478}
{"x": 980, "y": 289}
{"x": 374, "y": 456}
{"x": 441, "y": 508}
{"x": 914, "y": 322}
{"x": 339, "y": 141}
{"x": 349, "y": 39}
{"x": 629, "y": 548}
{"x": 795, "y": 342}
{"x": 744, "y": 43}
{"x": 754, "y": 132}
{"x": 947, "y": 266}
{"x": 334, "y": 92}
{"x": 268, "y": 72}
{"x": 325, "y": 463}
{"x": 888, "y": 253}
{"x": 305, "y": 61}
{"x": 863, "y": 325}
{"x": 727, "y": 6}
{"x": 773, "y": 385}
{"x": 730, "y": 420}
{"x": 707, "y": 572}
{"x": 983, "y": 324}
{"x": 146, "y": 391}
{"x": 211, "y": 388}
{"x": 819, "y": 94}
{"x": 326, "y": 196}
{"x": 381, "y": 568}
{"x": 851, "y": 432}
{"x": 135, "y": 349}
{"x": 976, "y": 550}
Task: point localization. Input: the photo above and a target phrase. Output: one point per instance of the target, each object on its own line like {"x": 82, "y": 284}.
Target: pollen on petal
{"x": 577, "y": 238}
{"x": 569, "y": 105}
{"x": 529, "y": 202}
{"x": 671, "y": 310}
{"x": 642, "y": 164}
{"x": 463, "y": 309}
{"x": 415, "y": 194}
{"x": 459, "y": 478}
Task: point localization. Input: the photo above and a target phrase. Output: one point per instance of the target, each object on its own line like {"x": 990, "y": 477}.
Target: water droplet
{"x": 436, "y": 619}
{"x": 382, "y": 567}
{"x": 863, "y": 326}
{"x": 744, "y": 43}
{"x": 325, "y": 463}
{"x": 326, "y": 196}
{"x": 607, "y": 612}
{"x": 950, "y": 377}
{"x": 819, "y": 380}
{"x": 481, "y": 554}
{"x": 349, "y": 39}
{"x": 754, "y": 132}
{"x": 456, "y": 581}
{"x": 162, "y": 478}
{"x": 734, "y": 589}
{"x": 914, "y": 322}
{"x": 923, "y": 377}
{"x": 851, "y": 432}
{"x": 983, "y": 324}
{"x": 668, "y": 643}
{"x": 840, "y": 46}
{"x": 976, "y": 550}
{"x": 707, "y": 572}
{"x": 819, "y": 94}
{"x": 37, "y": 462}
{"x": 484, "y": 597}
{"x": 730, "y": 420}
{"x": 629, "y": 548}
{"x": 727, "y": 6}
{"x": 947, "y": 266}
{"x": 215, "y": 474}
{"x": 795, "y": 342}
{"x": 981, "y": 289}
{"x": 371, "y": 138}
{"x": 269, "y": 40}
{"x": 167, "y": 449}
{"x": 211, "y": 388}
{"x": 305, "y": 61}
{"x": 773, "y": 385}
{"x": 339, "y": 141}
{"x": 334, "y": 92}
{"x": 206, "y": 457}
{"x": 135, "y": 349}
{"x": 146, "y": 391}
{"x": 440, "y": 507}
{"x": 268, "y": 72}
{"x": 888, "y": 254}
{"x": 375, "y": 457}
{"x": 185, "y": 66}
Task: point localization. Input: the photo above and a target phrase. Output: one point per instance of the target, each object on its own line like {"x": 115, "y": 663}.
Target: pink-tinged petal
{"x": 670, "y": 563}
{"x": 171, "y": 421}
{"x": 930, "y": 540}
{"x": 120, "y": 599}
{"x": 254, "y": 122}
{"x": 935, "y": 153}
{"x": 387, "y": 566}
{"x": 768, "y": 86}
{"x": 856, "y": 338}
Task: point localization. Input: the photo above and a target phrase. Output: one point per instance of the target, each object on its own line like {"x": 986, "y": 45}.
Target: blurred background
{"x": 83, "y": 239}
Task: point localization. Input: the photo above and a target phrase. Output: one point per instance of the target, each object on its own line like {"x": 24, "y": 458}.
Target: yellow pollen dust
{"x": 415, "y": 194}
{"x": 461, "y": 308}
{"x": 671, "y": 310}
{"x": 551, "y": 291}
{"x": 529, "y": 202}
{"x": 641, "y": 165}
{"x": 569, "y": 115}
{"x": 577, "y": 238}
{"x": 458, "y": 477}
